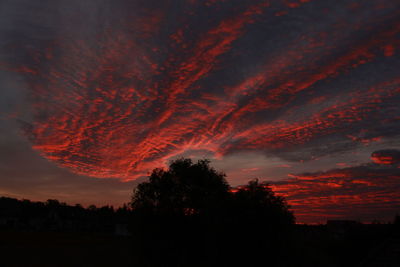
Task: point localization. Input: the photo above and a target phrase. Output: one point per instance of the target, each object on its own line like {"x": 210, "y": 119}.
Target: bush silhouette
{"x": 188, "y": 215}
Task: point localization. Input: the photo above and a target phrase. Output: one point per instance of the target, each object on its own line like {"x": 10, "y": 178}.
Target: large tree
{"x": 186, "y": 188}
{"x": 188, "y": 215}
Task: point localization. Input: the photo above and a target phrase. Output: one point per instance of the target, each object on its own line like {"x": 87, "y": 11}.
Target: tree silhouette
{"x": 257, "y": 202}
{"x": 186, "y": 188}
{"x": 188, "y": 215}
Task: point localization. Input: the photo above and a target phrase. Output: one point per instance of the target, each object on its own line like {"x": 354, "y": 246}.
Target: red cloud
{"x": 386, "y": 157}
{"x": 133, "y": 96}
{"x": 366, "y": 192}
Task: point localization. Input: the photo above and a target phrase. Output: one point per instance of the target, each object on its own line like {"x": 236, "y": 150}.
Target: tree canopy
{"x": 256, "y": 201}
{"x": 186, "y": 188}
{"x": 190, "y": 213}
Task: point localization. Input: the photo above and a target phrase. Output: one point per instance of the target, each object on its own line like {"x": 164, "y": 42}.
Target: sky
{"x": 303, "y": 94}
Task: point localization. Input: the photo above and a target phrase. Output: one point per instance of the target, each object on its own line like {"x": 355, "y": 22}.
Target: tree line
{"x": 188, "y": 215}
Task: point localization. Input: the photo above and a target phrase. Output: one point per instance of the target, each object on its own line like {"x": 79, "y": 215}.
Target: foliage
{"x": 257, "y": 202}
{"x": 188, "y": 215}
{"x": 187, "y": 188}
{"x": 53, "y": 215}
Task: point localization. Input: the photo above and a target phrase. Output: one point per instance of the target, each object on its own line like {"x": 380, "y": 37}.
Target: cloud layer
{"x": 137, "y": 83}
{"x": 367, "y": 192}
{"x": 387, "y": 157}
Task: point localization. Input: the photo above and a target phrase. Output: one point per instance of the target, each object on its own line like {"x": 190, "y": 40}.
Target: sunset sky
{"x": 304, "y": 94}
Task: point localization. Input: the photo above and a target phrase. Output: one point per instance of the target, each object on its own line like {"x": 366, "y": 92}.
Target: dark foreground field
{"x": 64, "y": 249}
{"x": 366, "y": 246}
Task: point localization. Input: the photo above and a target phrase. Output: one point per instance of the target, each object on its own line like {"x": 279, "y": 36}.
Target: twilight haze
{"x": 302, "y": 93}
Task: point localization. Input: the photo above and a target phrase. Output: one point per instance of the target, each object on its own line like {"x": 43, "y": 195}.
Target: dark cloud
{"x": 386, "y": 156}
